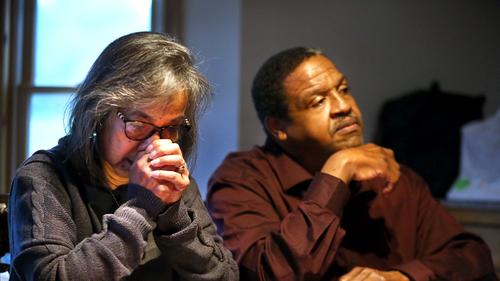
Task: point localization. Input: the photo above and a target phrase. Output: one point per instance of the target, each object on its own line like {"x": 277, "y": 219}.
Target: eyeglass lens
{"x": 139, "y": 131}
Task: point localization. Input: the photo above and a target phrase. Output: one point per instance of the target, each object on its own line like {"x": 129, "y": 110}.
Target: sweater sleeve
{"x": 46, "y": 241}
{"x": 187, "y": 236}
{"x": 302, "y": 245}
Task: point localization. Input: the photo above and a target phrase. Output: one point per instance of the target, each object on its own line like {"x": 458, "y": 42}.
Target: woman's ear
{"x": 276, "y": 128}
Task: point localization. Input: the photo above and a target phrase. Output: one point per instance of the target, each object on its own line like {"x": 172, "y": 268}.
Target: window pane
{"x": 46, "y": 120}
{"x": 70, "y": 34}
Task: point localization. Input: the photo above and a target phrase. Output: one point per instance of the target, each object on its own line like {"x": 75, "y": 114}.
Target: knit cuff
{"x": 174, "y": 219}
{"x": 145, "y": 199}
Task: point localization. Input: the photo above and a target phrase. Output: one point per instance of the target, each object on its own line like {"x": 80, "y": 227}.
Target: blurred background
{"x": 426, "y": 75}
{"x": 388, "y": 49}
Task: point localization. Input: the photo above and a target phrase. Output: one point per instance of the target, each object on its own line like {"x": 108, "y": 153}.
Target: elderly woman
{"x": 114, "y": 200}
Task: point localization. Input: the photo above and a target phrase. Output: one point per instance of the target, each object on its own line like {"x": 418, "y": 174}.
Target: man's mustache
{"x": 344, "y": 121}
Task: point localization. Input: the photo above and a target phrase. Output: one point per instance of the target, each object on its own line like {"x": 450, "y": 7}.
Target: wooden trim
{"x": 18, "y": 20}
{"x": 475, "y": 214}
{"x": 5, "y": 7}
{"x": 55, "y": 90}
{"x": 157, "y": 21}
{"x": 174, "y": 18}
{"x": 4, "y": 197}
{"x": 26, "y": 33}
{"x": 14, "y": 24}
{"x": 18, "y": 30}
{"x": 168, "y": 17}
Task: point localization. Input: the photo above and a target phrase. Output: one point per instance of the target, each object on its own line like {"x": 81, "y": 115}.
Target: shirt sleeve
{"x": 446, "y": 251}
{"x": 298, "y": 246}
{"x": 187, "y": 236}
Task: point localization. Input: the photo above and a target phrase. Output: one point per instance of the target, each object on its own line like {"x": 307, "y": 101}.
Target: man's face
{"x": 324, "y": 117}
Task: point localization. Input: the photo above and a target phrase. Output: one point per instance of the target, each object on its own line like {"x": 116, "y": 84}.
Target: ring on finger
{"x": 181, "y": 168}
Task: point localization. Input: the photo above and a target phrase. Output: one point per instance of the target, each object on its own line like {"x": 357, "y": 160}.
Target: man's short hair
{"x": 268, "y": 94}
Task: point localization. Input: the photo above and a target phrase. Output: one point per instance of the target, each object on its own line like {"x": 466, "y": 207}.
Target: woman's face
{"x": 119, "y": 151}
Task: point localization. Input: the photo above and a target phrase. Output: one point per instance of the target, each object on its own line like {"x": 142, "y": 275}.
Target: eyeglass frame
{"x": 156, "y": 129}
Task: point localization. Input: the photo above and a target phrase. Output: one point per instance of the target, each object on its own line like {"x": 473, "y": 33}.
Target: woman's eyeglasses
{"x": 138, "y": 130}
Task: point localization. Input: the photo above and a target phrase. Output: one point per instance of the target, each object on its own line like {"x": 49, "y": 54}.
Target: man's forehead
{"x": 315, "y": 63}
{"x": 312, "y": 71}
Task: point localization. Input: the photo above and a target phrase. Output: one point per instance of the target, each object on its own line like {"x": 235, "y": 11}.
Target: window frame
{"x": 17, "y": 73}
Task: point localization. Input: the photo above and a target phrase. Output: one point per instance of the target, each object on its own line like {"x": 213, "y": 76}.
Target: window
{"x": 69, "y": 35}
{"x": 47, "y": 48}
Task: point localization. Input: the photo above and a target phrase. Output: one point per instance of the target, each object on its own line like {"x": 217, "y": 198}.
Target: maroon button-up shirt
{"x": 282, "y": 223}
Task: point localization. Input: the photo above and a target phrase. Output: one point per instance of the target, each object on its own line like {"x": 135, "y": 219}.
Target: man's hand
{"x": 364, "y": 163}
{"x": 370, "y": 274}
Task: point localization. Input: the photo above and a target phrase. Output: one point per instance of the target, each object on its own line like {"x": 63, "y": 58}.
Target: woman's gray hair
{"x": 138, "y": 69}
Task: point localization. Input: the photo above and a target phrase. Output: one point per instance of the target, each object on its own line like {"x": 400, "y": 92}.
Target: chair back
{"x": 4, "y": 230}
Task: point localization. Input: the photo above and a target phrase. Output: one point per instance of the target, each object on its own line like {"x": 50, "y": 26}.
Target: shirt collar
{"x": 289, "y": 172}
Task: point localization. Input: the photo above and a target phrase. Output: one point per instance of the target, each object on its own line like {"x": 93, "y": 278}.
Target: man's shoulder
{"x": 239, "y": 163}
{"x": 411, "y": 181}
{"x": 410, "y": 175}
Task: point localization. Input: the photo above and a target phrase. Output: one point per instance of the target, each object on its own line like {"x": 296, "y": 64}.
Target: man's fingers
{"x": 371, "y": 274}
{"x": 363, "y": 273}
{"x": 388, "y": 188}
{"x": 351, "y": 274}
{"x": 392, "y": 173}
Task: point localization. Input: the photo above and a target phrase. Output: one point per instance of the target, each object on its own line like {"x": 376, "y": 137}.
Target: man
{"x": 316, "y": 203}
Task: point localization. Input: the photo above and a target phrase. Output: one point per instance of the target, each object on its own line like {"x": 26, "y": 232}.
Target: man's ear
{"x": 276, "y": 127}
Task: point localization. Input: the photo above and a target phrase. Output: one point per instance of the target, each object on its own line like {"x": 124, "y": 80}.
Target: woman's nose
{"x": 145, "y": 143}
{"x": 155, "y": 136}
